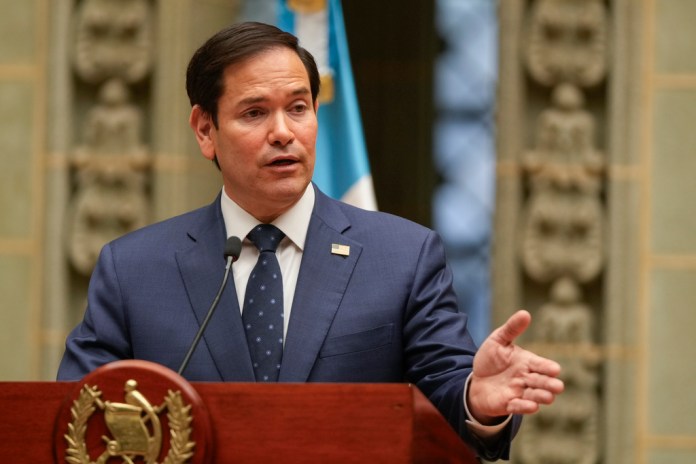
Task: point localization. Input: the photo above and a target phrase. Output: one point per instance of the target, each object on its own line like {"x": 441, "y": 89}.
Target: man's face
{"x": 266, "y": 134}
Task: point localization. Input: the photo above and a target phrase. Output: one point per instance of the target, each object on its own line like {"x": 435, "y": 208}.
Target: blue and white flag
{"x": 342, "y": 170}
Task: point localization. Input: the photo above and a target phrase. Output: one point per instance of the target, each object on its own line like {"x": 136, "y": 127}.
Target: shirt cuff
{"x": 477, "y": 428}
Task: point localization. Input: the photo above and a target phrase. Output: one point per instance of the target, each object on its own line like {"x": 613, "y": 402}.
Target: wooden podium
{"x": 224, "y": 422}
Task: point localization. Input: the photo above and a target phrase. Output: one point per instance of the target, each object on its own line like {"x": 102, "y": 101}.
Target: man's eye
{"x": 299, "y": 108}
{"x": 253, "y": 113}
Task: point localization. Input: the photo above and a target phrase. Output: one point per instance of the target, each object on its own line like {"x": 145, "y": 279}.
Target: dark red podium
{"x": 220, "y": 422}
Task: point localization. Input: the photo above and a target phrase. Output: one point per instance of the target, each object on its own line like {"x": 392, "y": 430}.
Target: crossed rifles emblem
{"x": 135, "y": 427}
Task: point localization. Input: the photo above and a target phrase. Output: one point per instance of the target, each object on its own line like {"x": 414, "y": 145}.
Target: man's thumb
{"x": 514, "y": 327}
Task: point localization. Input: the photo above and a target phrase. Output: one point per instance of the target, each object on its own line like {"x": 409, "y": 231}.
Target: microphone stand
{"x": 233, "y": 248}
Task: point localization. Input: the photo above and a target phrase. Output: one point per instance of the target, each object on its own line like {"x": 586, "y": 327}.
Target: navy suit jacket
{"x": 385, "y": 313}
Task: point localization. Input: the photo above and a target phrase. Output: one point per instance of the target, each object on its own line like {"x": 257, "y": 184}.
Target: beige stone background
{"x": 41, "y": 296}
{"x": 648, "y": 404}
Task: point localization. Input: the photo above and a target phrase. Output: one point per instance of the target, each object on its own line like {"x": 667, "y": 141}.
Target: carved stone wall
{"x": 594, "y": 229}
{"x": 110, "y": 164}
{"x": 557, "y": 171}
{"x": 120, "y": 152}
{"x": 562, "y": 246}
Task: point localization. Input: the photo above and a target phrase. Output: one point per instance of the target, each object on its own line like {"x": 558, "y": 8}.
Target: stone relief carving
{"x": 562, "y": 236}
{"x": 565, "y": 319}
{"x": 563, "y": 219}
{"x": 564, "y": 155}
{"x": 562, "y": 243}
{"x": 567, "y": 42}
{"x": 113, "y": 38}
{"x": 111, "y": 162}
{"x": 567, "y": 432}
{"x": 111, "y": 176}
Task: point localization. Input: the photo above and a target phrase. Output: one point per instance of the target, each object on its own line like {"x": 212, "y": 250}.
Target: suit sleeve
{"x": 439, "y": 350}
{"x": 102, "y": 335}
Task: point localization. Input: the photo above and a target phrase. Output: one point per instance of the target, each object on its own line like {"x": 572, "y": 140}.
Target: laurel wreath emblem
{"x": 178, "y": 415}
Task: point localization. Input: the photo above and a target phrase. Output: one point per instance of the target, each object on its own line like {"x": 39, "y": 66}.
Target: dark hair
{"x": 233, "y": 44}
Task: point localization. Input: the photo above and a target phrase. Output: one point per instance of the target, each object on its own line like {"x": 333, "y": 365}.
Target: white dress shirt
{"x": 294, "y": 223}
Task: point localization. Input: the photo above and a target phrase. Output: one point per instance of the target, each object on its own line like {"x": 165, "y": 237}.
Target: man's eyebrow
{"x": 251, "y": 101}
{"x": 260, "y": 99}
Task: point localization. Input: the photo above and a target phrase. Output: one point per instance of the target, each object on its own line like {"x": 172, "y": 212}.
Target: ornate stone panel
{"x": 561, "y": 249}
{"x": 119, "y": 150}
{"x": 110, "y": 165}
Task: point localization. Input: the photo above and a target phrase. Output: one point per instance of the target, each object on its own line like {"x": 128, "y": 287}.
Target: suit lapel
{"x": 202, "y": 269}
{"x": 321, "y": 285}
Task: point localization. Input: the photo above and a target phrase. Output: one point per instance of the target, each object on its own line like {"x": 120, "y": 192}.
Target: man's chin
{"x": 278, "y": 200}
{"x": 288, "y": 191}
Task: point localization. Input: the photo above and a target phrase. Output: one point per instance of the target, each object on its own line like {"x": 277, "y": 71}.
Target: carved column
{"x": 551, "y": 194}
{"x": 112, "y": 56}
{"x": 120, "y": 152}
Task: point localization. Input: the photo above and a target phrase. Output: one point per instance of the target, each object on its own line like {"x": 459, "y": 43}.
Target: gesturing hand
{"x": 508, "y": 379}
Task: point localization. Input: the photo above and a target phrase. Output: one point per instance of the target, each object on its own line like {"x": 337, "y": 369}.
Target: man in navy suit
{"x": 367, "y": 296}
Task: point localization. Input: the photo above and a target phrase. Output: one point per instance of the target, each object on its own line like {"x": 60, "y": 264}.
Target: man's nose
{"x": 280, "y": 132}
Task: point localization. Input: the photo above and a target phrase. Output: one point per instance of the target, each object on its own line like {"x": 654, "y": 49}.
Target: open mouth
{"x": 283, "y": 162}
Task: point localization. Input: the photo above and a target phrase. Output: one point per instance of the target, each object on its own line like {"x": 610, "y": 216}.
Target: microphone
{"x": 233, "y": 247}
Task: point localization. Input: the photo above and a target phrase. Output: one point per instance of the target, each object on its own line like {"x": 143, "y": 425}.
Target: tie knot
{"x": 266, "y": 237}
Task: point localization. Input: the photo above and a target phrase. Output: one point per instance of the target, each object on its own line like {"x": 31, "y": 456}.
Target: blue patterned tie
{"x": 263, "y": 305}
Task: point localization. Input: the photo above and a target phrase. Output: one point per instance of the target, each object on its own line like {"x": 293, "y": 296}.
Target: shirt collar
{"x": 294, "y": 222}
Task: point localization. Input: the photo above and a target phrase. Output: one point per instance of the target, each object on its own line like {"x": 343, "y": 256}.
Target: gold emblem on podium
{"x": 134, "y": 426}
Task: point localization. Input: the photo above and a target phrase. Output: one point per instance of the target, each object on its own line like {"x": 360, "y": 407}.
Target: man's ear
{"x": 202, "y": 124}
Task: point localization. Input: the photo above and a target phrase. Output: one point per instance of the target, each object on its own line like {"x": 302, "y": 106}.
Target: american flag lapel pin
{"x": 341, "y": 250}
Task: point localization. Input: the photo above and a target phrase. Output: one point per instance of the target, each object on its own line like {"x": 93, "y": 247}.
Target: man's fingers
{"x": 513, "y": 327}
{"x": 536, "y": 389}
{"x": 544, "y": 366}
{"x": 531, "y": 399}
{"x": 522, "y": 406}
{"x": 544, "y": 382}
{"x": 539, "y": 396}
